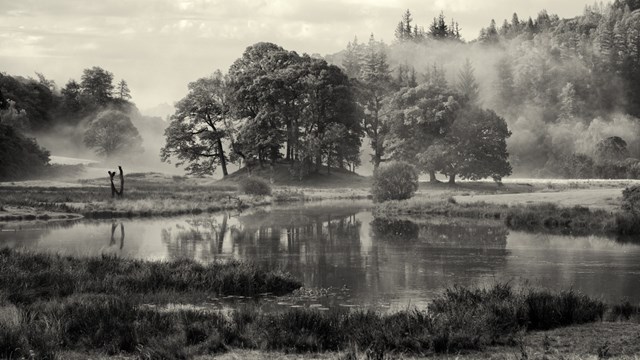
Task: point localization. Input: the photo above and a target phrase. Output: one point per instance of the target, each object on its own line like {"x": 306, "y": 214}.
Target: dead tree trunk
{"x": 115, "y": 191}
{"x": 121, "y": 193}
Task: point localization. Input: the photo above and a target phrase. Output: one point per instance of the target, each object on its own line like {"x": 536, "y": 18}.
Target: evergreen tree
{"x": 122, "y": 91}
{"x": 467, "y": 85}
{"x": 352, "y": 59}
{"x": 439, "y": 29}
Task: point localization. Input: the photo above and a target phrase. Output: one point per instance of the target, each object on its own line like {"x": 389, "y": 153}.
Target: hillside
{"x": 280, "y": 175}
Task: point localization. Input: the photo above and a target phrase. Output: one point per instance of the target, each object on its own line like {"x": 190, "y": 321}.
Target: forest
{"x": 541, "y": 97}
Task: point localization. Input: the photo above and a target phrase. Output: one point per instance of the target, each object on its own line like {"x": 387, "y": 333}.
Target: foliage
{"x": 461, "y": 318}
{"x": 297, "y": 102}
{"x": 394, "y": 181}
{"x": 631, "y": 200}
{"x": 611, "y": 149}
{"x": 20, "y": 157}
{"x": 199, "y": 126}
{"x": 374, "y": 83}
{"x": 418, "y": 118}
{"x": 97, "y": 85}
{"x": 28, "y": 278}
{"x": 112, "y": 133}
{"x": 475, "y": 146}
{"x": 255, "y": 186}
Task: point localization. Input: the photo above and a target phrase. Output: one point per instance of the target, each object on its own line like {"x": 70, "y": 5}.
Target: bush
{"x": 631, "y": 200}
{"x": 255, "y": 186}
{"x": 396, "y": 181}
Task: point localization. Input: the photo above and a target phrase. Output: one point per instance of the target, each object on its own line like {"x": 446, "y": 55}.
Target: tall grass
{"x": 27, "y": 278}
{"x": 534, "y": 217}
{"x": 460, "y": 319}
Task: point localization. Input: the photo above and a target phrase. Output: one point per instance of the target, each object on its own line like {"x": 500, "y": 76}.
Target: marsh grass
{"x": 27, "y": 278}
{"x": 460, "y": 319}
{"x": 548, "y": 217}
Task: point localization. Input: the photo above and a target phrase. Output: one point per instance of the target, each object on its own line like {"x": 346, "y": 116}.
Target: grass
{"x": 27, "y": 278}
{"x": 460, "y": 319}
{"x": 532, "y": 217}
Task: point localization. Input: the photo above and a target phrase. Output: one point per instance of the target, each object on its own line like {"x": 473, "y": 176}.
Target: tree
{"x": 439, "y": 29}
{"x": 352, "y": 58}
{"x": 20, "y": 157}
{"x": 71, "y": 93}
{"x": 505, "y": 83}
{"x": 568, "y": 102}
{"x": 375, "y": 85}
{"x": 467, "y": 85}
{"x": 112, "y": 133}
{"x": 475, "y": 146}
{"x": 611, "y": 149}
{"x": 266, "y": 85}
{"x": 197, "y": 129}
{"x": 490, "y": 34}
{"x": 122, "y": 91}
{"x": 418, "y": 118}
{"x": 97, "y": 84}
{"x": 329, "y": 104}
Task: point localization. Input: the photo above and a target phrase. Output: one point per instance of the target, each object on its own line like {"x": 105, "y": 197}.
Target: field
{"x": 46, "y": 301}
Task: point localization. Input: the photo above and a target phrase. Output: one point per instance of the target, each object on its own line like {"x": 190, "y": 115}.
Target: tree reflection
{"x": 112, "y": 240}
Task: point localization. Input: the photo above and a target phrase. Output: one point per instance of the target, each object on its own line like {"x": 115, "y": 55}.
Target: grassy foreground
{"x": 67, "y": 311}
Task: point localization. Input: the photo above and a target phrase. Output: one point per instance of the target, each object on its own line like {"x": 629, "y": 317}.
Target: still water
{"x": 339, "y": 248}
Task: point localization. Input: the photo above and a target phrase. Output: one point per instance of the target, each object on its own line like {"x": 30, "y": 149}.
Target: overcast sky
{"x": 158, "y": 46}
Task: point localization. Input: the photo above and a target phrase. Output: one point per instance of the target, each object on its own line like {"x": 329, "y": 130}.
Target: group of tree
{"x": 95, "y": 108}
{"x": 424, "y": 120}
{"x": 438, "y": 30}
{"x": 273, "y": 104}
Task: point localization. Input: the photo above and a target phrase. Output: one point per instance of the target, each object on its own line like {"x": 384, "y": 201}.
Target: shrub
{"x": 631, "y": 200}
{"x": 396, "y": 181}
{"x": 255, "y": 186}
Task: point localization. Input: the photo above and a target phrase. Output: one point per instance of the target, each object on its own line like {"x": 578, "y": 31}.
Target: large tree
{"x": 199, "y": 126}
{"x": 375, "y": 84}
{"x": 474, "y": 147}
{"x": 112, "y": 133}
{"x": 419, "y": 117}
{"x": 264, "y": 84}
{"x": 97, "y": 84}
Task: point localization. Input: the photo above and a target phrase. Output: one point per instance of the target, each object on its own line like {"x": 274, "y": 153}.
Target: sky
{"x": 159, "y": 46}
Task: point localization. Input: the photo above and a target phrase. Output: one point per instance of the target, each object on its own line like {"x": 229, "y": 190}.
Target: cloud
{"x": 158, "y": 46}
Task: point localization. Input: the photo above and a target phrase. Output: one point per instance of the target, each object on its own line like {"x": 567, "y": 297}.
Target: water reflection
{"x": 388, "y": 263}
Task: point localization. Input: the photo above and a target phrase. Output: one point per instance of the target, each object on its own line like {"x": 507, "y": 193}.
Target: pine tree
{"x": 467, "y": 85}
{"x": 406, "y": 20}
{"x": 122, "y": 91}
{"x": 439, "y": 29}
{"x": 568, "y": 102}
{"x": 352, "y": 58}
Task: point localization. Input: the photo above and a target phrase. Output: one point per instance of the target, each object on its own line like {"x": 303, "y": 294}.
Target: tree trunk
{"x": 318, "y": 161}
{"x": 121, "y": 194}
{"x": 223, "y": 160}
{"x": 452, "y": 179}
{"x": 113, "y": 187}
{"x": 432, "y": 177}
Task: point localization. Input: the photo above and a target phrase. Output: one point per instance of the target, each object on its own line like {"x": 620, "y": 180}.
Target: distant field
{"x": 603, "y": 198}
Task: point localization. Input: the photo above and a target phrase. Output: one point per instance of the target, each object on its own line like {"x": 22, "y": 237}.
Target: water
{"x": 348, "y": 258}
